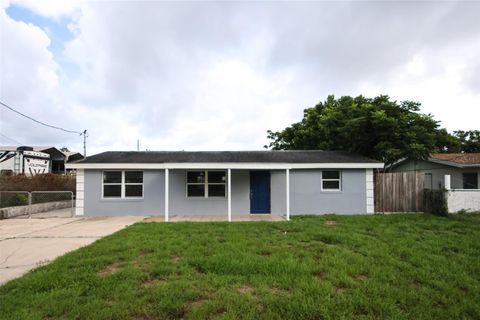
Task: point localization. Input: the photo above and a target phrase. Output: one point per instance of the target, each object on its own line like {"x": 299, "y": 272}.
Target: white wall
{"x": 463, "y": 200}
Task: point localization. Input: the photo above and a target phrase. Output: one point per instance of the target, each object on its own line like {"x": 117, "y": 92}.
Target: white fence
{"x": 461, "y": 199}
{"x": 468, "y": 200}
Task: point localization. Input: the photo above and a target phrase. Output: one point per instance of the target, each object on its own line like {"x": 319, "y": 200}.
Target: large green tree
{"x": 377, "y": 127}
{"x": 469, "y": 141}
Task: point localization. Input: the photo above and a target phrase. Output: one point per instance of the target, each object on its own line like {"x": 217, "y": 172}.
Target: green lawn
{"x": 396, "y": 266}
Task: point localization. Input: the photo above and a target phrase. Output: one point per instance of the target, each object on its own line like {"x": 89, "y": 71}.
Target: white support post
{"x": 370, "y": 191}
{"x": 448, "y": 185}
{"x": 166, "y": 195}
{"x": 287, "y": 182}
{"x": 229, "y": 193}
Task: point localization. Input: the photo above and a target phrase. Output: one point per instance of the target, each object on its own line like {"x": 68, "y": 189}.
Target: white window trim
{"x": 205, "y": 184}
{"x": 339, "y": 182}
{"x": 122, "y": 186}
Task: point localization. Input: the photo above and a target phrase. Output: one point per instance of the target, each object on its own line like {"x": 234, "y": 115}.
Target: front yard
{"x": 397, "y": 266}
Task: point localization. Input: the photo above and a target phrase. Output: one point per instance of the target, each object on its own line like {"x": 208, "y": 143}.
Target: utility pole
{"x": 84, "y": 133}
{"x": 138, "y": 144}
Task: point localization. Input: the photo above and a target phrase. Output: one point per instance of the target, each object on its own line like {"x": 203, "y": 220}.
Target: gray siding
{"x": 152, "y": 204}
{"x": 278, "y": 191}
{"x": 179, "y": 204}
{"x": 307, "y": 197}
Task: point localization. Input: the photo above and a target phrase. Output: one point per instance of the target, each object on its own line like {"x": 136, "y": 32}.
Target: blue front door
{"x": 259, "y": 192}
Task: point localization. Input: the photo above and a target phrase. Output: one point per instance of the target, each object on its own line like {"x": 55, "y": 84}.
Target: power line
{"x": 8, "y": 138}
{"x": 37, "y": 121}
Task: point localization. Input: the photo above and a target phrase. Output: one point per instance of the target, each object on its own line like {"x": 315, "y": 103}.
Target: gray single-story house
{"x": 463, "y": 169}
{"x": 224, "y": 183}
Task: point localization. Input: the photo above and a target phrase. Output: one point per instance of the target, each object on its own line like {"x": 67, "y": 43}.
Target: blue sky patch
{"x": 56, "y": 29}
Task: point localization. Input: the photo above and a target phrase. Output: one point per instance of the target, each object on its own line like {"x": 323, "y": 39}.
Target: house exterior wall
{"x": 152, "y": 204}
{"x": 438, "y": 172}
{"x": 181, "y": 205}
{"x": 306, "y": 196}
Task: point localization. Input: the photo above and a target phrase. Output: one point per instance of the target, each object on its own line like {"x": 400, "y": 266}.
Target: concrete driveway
{"x": 28, "y": 243}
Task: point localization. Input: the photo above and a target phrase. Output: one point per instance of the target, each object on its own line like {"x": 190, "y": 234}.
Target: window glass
{"x": 470, "y": 180}
{"x": 112, "y": 191}
{"x": 196, "y": 176}
{"x": 133, "y": 176}
{"x": 332, "y": 185}
{"x": 112, "y": 177}
{"x": 331, "y": 174}
{"x": 217, "y": 177}
{"x": 216, "y": 190}
{"x": 133, "y": 190}
{"x": 196, "y": 190}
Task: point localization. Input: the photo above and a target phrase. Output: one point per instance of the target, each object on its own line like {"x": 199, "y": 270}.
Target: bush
{"x": 41, "y": 182}
{"x": 435, "y": 202}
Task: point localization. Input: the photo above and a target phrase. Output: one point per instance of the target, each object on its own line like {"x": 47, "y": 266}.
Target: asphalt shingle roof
{"x": 314, "y": 156}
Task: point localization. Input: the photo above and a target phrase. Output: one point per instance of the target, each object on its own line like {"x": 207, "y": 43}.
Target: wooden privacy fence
{"x": 399, "y": 192}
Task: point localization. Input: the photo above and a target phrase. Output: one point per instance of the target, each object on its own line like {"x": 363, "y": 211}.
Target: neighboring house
{"x": 463, "y": 168}
{"x": 224, "y": 183}
{"x": 56, "y": 158}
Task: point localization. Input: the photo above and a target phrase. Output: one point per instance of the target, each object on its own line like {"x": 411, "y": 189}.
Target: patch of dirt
{"x": 200, "y": 269}
{"x": 330, "y": 222}
{"x": 361, "y": 277}
{"x": 110, "y": 269}
{"x": 265, "y": 253}
{"x": 176, "y": 259}
{"x": 246, "y": 288}
{"x": 151, "y": 281}
{"x": 219, "y": 312}
{"x": 340, "y": 290}
{"x": 319, "y": 275}
{"x": 143, "y": 253}
{"x": 196, "y": 303}
{"x": 142, "y": 318}
{"x": 140, "y": 261}
{"x": 278, "y": 290}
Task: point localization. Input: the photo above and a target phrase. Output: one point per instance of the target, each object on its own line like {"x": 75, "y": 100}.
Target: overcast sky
{"x": 218, "y": 75}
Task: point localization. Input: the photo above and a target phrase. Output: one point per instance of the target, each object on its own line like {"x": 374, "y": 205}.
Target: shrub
{"x": 41, "y": 182}
{"x": 435, "y": 202}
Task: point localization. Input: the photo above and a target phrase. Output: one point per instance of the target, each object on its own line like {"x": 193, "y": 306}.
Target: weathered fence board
{"x": 399, "y": 192}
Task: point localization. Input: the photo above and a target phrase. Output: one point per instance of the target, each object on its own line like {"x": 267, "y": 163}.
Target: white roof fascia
{"x": 224, "y": 165}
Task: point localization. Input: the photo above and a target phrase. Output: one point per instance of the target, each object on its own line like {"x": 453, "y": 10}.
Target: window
{"x": 428, "y": 181}
{"x": 123, "y": 184}
{"x": 331, "y": 180}
{"x": 112, "y": 184}
{"x": 206, "y": 184}
{"x": 470, "y": 180}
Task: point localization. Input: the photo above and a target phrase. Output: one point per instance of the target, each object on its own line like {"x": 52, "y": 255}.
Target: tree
{"x": 374, "y": 127}
{"x": 469, "y": 141}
